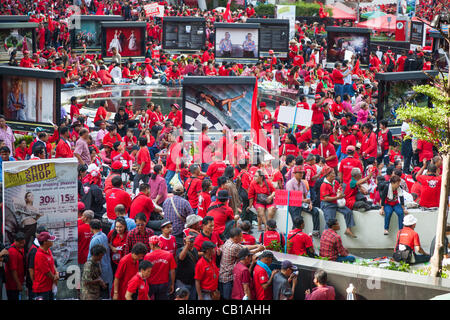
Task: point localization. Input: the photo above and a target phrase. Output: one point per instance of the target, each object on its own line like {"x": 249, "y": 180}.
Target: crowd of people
{"x": 157, "y": 222}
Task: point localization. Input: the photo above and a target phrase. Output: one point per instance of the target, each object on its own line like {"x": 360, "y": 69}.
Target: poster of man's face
{"x": 340, "y": 43}
{"x": 28, "y": 99}
{"x": 125, "y": 41}
{"x": 15, "y": 39}
{"x": 237, "y": 43}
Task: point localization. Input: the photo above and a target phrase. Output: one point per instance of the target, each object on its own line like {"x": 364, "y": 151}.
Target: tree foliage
{"x": 430, "y": 124}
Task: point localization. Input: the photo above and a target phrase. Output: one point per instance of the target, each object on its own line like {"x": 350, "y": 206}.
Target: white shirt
{"x": 116, "y": 73}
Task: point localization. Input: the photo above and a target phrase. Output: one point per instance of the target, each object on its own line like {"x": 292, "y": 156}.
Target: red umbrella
{"x": 381, "y": 24}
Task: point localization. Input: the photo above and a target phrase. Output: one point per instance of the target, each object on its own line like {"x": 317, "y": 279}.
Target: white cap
{"x": 409, "y": 220}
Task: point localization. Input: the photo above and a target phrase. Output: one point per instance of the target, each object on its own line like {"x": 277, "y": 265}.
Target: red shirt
{"x": 143, "y": 155}
{"x": 203, "y": 142}
{"x": 329, "y": 190}
{"x": 317, "y": 116}
{"x": 63, "y": 150}
{"x": 426, "y": 150}
{"x": 328, "y": 151}
{"x": 300, "y": 242}
{"x": 346, "y": 167}
{"x": 204, "y": 201}
{"x": 84, "y": 238}
{"x": 118, "y": 243}
{"x": 409, "y": 237}
{"x": 207, "y": 273}
{"x": 126, "y": 270}
{"x": 139, "y": 286}
{"x": 255, "y": 188}
{"x": 267, "y": 237}
{"x": 163, "y": 261}
{"x": 337, "y": 76}
{"x": 215, "y": 238}
{"x": 74, "y": 110}
{"x": 248, "y": 239}
{"x": 100, "y": 112}
{"x": 15, "y": 262}
{"x": 221, "y": 216}
{"x": 288, "y": 149}
{"x": 21, "y": 154}
{"x": 431, "y": 191}
{"x": 369, "y": 145}
{"x": 305, "y": 137}
{"x": 114, "y": 197}
{"x": 141, "y": 203}
{"x": 43, "y": 263}
{"x": 193, "y": 187}
{"x": 216, "y": 170}
{"x": 310, "y": 171}
{"x": 168, "y": 245}
{"x": 347, "y": 140}
{"x": 260, "y": 277}
{"x": 108, "y": 139}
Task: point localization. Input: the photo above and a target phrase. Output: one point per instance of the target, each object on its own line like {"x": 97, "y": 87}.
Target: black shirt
{"x": 186, "y": 268}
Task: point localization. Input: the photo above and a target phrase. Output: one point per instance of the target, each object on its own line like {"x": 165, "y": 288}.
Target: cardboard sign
{"x": 154, "y": 9}
{"x": 302, "y": 118}
{"x": 281, "y": 198}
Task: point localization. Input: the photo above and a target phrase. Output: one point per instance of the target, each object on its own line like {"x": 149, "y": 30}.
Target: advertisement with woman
{"x": 127, "y": 41}
{"x": 44, "y": 193}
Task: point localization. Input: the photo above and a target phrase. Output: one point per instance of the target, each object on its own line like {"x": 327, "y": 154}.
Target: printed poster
{"x": 287, "y": 12}
{"x": 45, "y": 192}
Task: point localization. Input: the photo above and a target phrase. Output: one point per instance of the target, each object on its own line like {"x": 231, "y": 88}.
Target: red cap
{"x": 326, "y": 170}
{"x": 154, "y": 240}
{"x": 263, "y": 104}
{"x": 410, "y": 52}
{"x": 350, "y": 148}
{"x": 26, "y": 52}
{"x": 117, "y": 165}
{"x": 129, "y": 103}
{"x": 81, "y": 206}
{"x": 415, "y": 170}
{"x": 45, "y": 236}
{"x": 270, "y": 51}
{"x": 355, "y": 127}
{"x": 420, "y": 54}
{"x": 318, "y": 96}
{"x": 147, "y": 60}
{"x": 298, "y": 169}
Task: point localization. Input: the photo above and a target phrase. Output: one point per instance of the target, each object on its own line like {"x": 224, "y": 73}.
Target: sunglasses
{"x": 140, "y": 224}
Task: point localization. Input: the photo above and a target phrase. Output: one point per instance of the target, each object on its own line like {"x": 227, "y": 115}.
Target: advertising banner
{"x": 302, "y": 116}
{"x": 406, "y": 8}
{"x": 44, "y": 192}
{"x": 154, "y": 9}
{"x": 287, "y": 12}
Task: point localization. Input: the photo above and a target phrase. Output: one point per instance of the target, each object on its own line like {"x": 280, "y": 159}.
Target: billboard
{"x": 237, "y": 42}
{"x": 30, "y": 96}
{"x": 183, "y": 34}
{"x": 218, "y": 102}
{"x": 406, "y": 8}
{"x": 45, "y": 192}
{"x": 287, "y": 12}
{"x": 127, "y": 37}
{"x": 344, "y": 42}
{"x": 273, "y": 35}
{"x": 89, "y": 31}
{"x": 18, "y": 37}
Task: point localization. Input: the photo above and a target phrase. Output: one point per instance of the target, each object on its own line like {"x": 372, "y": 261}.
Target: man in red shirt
{"x": 143, "y": 203}
{"x": 137, "y": 287}
{"x": 409, "y": 237}
{"x": 193, "y": 187}
{"x": 224, "y": 218}
{"x": 326, "y": 150}
{"x": 164, "y": 265}
{"x": 216, "y": 169}
{"x": 207, "y": 273}
{"x": 263, "y": 276}
{"x": 116, "y": 195}
{"x": 430, "y": 186}
{"x": 127, "y": 269}
{"x": 317, "y": 117}
{"x": 401, "y": 62}
{"x": 144, "y": 162}
{"x": 100, "y": 114}
{"x": 345, "y": 169}
{"x": 301, "y": 242}
{"x": 346, "y": 139}
{"x": 84, "y": 236}
{"x": 45, "y": 273}
{"x": 338, "y": 80}
{"x": 204, "y": 143}
{"x": 63, "y": 148}
{"x": 15, "y": 267}
{"x": 208, "y": 234}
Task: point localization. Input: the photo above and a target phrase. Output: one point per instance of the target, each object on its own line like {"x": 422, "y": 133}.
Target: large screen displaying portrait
{"x": 341, "y": 44}
{"x": 89, "y": 34}
{"x": 183, "y": 34}
{"x": 236, "y": 42}
{"x": 127, "y": 38}
{"x": 15, "y": 39}
{"x": 218, "y": 102}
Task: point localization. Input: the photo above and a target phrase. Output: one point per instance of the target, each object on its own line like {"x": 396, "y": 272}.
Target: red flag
{"x": 51, "y": 26}
{"x": 356, "y": 68}
{"x": 255, "y": 120}
{"x": 227, "y": 13}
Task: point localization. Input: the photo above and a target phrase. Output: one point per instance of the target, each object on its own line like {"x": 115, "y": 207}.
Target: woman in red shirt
{"x": 117, "y": 238}
{"x": 260, "y": 185}
{"x": 22, "y": 150}
{"x": 369, "y": 143}
{"x": 289, "y": 147}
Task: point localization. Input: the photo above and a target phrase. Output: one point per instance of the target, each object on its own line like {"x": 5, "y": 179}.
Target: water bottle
{"x": 350, "y": 289}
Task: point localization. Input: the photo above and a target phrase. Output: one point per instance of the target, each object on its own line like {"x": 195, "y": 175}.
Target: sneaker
{"x": 316, "y": 234}
{"x": 386, "y": 232}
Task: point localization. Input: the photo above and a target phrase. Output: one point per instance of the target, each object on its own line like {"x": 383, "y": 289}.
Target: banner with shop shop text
{"x": 44, "y": 192}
